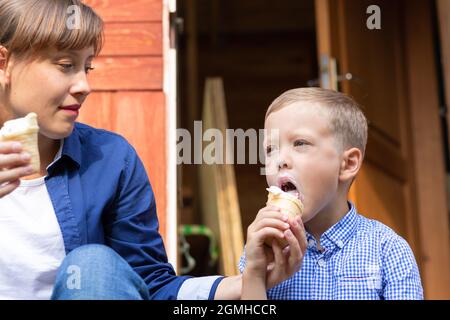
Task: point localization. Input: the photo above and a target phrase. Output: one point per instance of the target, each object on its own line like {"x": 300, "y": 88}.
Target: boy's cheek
{"x": 271, "y": 174}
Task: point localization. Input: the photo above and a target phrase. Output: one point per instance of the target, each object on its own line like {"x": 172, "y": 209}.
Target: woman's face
{"x": 53, "y": 85}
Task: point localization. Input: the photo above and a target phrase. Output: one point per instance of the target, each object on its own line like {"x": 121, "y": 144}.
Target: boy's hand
{"x": 265, "y": 266}
{"x": 287, "y": 261}
{"x": 269, "y": 223}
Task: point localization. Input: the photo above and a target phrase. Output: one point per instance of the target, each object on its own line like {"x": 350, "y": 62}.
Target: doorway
{"x": 259, "y": 49}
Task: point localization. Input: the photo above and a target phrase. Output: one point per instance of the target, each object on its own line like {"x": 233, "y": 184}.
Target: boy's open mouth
{"x": 287, "y": 184}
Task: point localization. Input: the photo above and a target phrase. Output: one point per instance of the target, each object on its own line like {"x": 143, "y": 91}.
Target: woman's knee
{"x": 98, "y": 272}
{"x": 95, "y": 254}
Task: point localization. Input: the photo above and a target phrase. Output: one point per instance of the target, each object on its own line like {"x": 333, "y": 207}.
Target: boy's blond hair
{"x": 347, "y": 121}
{"x": 29, "y": 26}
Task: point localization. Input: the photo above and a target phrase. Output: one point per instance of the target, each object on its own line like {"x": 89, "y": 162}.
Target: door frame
{"x": 170, "y": 65}
{"x": 428, "y": 230}
{"x": 428, "y": 148}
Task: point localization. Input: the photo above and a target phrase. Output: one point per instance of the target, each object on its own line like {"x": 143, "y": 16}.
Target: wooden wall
{"x": 127, "y": 85}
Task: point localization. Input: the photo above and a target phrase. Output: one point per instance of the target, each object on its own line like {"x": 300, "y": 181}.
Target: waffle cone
{"x": 287, "y": 204}
{"x": 28, "y": 137}
{"x": 30, "y": 144}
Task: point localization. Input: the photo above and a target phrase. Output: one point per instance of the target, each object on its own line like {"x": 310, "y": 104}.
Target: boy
{"x": 318, "y": 153}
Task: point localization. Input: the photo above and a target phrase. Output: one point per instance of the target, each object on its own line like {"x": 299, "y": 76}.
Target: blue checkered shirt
{"x": 363, "y": 259}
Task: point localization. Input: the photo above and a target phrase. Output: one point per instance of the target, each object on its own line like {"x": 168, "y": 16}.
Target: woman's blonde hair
{"x": 28, "y": 27}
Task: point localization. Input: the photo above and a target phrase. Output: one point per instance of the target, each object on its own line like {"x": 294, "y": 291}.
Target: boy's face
{"x": 306, "y": 159}
{"x": 49, "y": 85}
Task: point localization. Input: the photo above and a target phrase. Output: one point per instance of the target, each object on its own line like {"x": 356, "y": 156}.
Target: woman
{"x": 85, "y": 225}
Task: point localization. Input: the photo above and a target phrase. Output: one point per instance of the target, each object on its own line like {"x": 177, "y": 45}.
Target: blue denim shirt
{"x": 101, "y": 194}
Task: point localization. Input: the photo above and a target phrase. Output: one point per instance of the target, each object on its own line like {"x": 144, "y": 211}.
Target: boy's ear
{"x": 4, "y": 66}
{"x": 350, "y": 164}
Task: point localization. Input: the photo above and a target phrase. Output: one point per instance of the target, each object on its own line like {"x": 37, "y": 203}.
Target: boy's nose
{"x": 284, "y": 162}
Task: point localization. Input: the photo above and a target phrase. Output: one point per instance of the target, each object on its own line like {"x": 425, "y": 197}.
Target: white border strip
{"x": 170, "y": 91}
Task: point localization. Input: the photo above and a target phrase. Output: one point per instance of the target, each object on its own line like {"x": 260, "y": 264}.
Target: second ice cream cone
{"x": 287, "y": 203}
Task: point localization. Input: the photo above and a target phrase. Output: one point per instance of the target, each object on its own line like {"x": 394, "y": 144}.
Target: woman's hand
{"x": 13, "y": 165}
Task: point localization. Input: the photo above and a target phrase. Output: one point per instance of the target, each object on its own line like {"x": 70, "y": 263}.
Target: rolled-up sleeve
{"x": 201, "y": 288}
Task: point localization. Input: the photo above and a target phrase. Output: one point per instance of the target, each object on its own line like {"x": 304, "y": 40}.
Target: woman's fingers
{"x": 10, "y": 147}
{"x": 12, "y": 160}
{"x": 8, "y": 188}
{"x": 15, "y": 174}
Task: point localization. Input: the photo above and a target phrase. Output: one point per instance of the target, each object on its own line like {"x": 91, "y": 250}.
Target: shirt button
{"x": 311, "y": 243}
{"x": 339, "y": 243}
{"x": 321, "y": 262}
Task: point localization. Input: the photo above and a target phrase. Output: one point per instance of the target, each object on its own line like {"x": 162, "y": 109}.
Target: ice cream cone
{"x": 24, "y": 130}
{"x": 287, "y": 203}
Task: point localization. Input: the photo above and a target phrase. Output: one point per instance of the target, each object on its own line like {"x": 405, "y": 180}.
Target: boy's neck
{"x": 327, "y": 217}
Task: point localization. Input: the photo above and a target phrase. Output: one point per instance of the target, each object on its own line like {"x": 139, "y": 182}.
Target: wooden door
{"x": 388, "y": 183}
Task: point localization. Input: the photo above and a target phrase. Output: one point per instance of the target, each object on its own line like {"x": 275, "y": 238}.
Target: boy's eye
{"x": 299, "y": 143}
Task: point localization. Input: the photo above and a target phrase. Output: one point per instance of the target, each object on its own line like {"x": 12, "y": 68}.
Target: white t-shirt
{"x": 31, "y": 242}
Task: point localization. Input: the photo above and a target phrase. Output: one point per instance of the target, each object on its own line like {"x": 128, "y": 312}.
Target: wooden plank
{"x": 220, "y": 203}
{"x": 133, "y": 39}
{"x": 192, "y": 58}
{"x": 140, "y": 118}
{"x": 127, "y": 73}
{"x": 125, "y": 10}
{"x": 426, "y": 136}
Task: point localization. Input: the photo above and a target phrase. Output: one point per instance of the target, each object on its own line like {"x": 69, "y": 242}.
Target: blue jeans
{"x": 97, "y": 272}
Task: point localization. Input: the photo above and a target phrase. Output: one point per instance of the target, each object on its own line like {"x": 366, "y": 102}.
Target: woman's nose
{"x": 81, "y": 85}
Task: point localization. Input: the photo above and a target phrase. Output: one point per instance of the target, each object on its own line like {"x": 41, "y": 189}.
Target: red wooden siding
{"x": 127, "y": 83}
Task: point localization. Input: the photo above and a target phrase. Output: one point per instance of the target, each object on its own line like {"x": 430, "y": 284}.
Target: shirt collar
{"x": 339, "y": 234}
{"x": 58, "y": 154}
{"x": 70, "y": 149}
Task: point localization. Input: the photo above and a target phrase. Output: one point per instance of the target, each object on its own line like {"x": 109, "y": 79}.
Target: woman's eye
{"x": 66, "y": 66}
{"x": 268, "y": 149}
{"x": 69, "y": 66}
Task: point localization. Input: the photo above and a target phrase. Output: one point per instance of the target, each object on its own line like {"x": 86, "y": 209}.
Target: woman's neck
{"x": 48, "y": 148}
